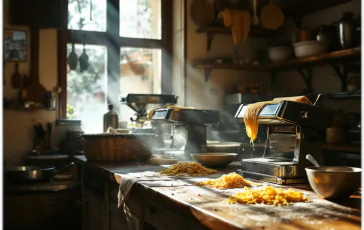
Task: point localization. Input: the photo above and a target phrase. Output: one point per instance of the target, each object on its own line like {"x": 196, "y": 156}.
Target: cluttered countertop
{"x": 208, "y": 206}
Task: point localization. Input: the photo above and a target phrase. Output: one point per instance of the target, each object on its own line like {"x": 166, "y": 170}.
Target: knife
{"x": 49, "y": 134}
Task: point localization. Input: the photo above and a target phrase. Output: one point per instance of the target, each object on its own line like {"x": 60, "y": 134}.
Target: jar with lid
{"x": 329, "y": 33}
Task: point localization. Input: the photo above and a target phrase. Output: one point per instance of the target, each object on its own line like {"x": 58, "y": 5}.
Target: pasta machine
{"x": 189, "y": 129}
{"x": 292, "y": 132}
{"x": 141, "y": 104}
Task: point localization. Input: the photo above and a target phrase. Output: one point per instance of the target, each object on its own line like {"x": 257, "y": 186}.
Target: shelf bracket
{"x": 307, "y": 76}
{"x": 207, "y": 74}
{"x": 210, "y": 37}
{"x": 343, "y": 75}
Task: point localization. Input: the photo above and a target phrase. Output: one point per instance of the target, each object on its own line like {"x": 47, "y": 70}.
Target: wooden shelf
{"x": 320, "y": 59}
{"x": 345, "y": 95}
{"x": 255, "y": 31}
{"x": 28, "y": 109}
{"x": 342, "y": 148}
{"x": 335, "y": 59}
{"x": 211, "y": 31}
{"x": 306, "y": 7}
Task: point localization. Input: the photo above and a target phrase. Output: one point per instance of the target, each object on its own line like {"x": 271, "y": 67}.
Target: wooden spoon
{"x": 255, "y": 20}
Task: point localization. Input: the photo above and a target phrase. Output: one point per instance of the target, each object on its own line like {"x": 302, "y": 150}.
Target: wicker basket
{"x": 116, "y": 147}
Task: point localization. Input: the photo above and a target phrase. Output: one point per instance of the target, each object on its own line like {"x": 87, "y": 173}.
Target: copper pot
{"x": 304, "y": 35}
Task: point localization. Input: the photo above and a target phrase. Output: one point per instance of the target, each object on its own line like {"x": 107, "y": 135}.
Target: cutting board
{"x": 35, "y": 91}
{"x": 271, "y": 16}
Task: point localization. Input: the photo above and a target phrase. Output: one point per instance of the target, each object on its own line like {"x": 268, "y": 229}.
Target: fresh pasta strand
{"x": 231, "y": 180}
{"x": 268, "y": 195}
{"x": 253, "y": 110}
{"x": 188, "y": 168}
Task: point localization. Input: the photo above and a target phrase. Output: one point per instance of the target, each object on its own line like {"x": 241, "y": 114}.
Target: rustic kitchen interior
{"x": 182, "y": 114}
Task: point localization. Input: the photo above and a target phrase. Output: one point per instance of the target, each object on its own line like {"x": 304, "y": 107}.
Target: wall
{"x": 210, "y": 95}
{"x": 325, "y": 79}
{"x": 18, "y": 131}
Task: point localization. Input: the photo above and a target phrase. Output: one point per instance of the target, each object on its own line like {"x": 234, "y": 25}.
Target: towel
{"x": 126, "y": 182}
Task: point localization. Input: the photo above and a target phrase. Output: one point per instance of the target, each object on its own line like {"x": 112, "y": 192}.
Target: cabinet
{"x": 93, "y": 207}
{"x": 100, "y": 210}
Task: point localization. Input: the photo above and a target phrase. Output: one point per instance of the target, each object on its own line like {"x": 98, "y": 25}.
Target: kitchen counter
{"x": 178, "y": 204}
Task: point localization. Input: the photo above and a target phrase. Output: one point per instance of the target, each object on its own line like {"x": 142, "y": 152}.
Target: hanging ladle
{"x": 84, "y": 60}
{"x": 72, "y": 59}
{"x": 312, "y": 160}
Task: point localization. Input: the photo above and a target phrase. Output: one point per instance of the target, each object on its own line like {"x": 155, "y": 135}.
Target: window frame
{"x": 66, "y": 35}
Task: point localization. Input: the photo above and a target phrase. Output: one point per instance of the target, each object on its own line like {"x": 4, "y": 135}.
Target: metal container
{"x": 111, "y": 119}
{"x": 214, "y": 160}
{"x": 347, "y": 30}
{"x": 332, "y": 182}
{"x": 304, "y": 35}
{"x": 217, "y": 146}
{"x": 32, "y": 173}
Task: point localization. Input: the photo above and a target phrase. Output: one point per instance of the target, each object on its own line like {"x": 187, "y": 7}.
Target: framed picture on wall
{"x": 15, "y": 45}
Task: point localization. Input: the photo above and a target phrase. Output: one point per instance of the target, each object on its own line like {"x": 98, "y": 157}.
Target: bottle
{"x": 111, "y": 119}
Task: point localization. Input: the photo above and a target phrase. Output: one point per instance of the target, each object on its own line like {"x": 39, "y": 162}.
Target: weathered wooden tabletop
{"x": 208, "y": 206}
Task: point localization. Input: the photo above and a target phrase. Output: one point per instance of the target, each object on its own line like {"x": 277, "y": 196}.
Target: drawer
{"x": 94, "y": 182}
{"x": 165, "y": 219}
{"x": 123, "y": 219}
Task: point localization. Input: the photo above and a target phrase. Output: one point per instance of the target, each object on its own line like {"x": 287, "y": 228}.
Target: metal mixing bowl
{"x": 216, "y": 160}
{"x": 221, "y": 147}
{"x": 334, "y": 182}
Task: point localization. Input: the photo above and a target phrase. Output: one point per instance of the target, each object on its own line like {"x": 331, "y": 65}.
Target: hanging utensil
{"x": 16, "y": 77}
{"x": 35, "y": 90}
{"x": 271, "y": 16}
{"x": 90, "y": 10}
{"x": 84, "y": 60}
{"x": 72, "y": 59}
{"x": 255, "y": 20}
{"x": 202, "y": 13}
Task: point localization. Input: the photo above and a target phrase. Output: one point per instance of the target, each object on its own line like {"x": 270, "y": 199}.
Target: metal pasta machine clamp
{"x": 293, "y": 131}
{"x": 189, "y": 129}
{"x": 140, "y": 102}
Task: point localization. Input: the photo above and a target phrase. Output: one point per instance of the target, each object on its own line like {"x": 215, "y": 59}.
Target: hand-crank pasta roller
{"x": 293, "y": 131}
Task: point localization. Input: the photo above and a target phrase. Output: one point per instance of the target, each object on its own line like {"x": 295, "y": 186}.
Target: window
{"x": 127, "y": 48}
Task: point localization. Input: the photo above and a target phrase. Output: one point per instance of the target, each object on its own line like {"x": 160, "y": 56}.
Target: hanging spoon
{"x": 84, "y": 60}
{"x": 312, "y": 160}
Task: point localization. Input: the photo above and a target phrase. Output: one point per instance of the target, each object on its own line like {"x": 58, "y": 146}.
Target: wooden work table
{"x": 178, "y": 204}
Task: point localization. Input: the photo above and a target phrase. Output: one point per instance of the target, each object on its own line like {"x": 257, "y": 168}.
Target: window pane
{"x": 86, "y": 90}
{"x": 84, "y": 16}
{"x": 140, "y": 19}
{"x": 140, "y": 72}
